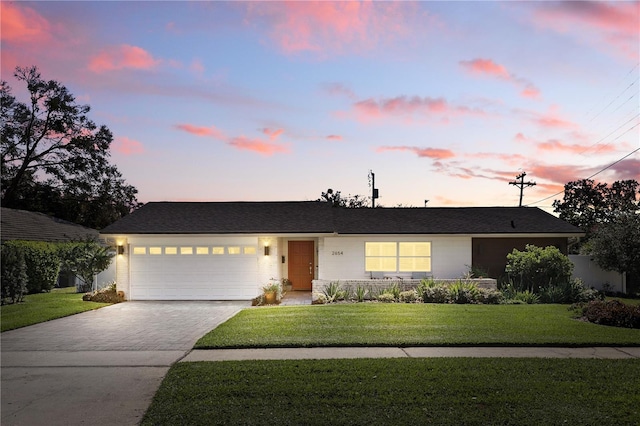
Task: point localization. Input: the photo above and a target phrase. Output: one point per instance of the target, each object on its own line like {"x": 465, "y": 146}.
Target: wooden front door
{"x": 301, "y": 267}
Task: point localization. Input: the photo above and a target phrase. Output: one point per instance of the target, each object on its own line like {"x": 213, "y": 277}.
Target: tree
{"x": 616, "y": 244}
{"x": 337, "y": 200}
{"x": 588, "y": 205}
{"x": 55, "y": 159}
{"x": 86, "y": 258}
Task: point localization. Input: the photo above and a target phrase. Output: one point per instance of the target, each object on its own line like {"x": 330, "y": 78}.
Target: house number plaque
{"x": 337, "y": 253}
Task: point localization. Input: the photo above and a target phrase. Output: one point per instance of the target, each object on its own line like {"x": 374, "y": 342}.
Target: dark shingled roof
{"x": 32, "y": 226}
{"x": 317, "y": 217}
{"x": 451, "y": 220}
{"x": 225, "y": 218}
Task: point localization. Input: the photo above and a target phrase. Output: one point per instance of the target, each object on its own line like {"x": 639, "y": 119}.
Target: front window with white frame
{"x": 403, "y": 256}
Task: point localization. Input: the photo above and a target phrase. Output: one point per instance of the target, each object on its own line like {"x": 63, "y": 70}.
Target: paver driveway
{"x": 100, "y": 367}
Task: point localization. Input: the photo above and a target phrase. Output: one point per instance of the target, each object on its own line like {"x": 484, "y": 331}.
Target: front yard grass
{"x": 43, "y": 307}
{"x": 401, "y": 391}
{"x": 377, "y": 324}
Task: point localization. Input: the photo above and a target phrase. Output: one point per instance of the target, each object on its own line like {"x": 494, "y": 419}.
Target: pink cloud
{"x": 334, "y": 137}
{"x": 627, "y": 169}
{"x": 333, "y": 27}
{"x": 552, "y": 120}
{"x": 127, "y": 146}
{"x": 407, "y": 107}
{"x": 485, "y": 66}
{"x": 554, "y": 145}
{"x": 612, "y": 24}
{"x": 531, "y": 92}
{"x": 435, "y": 153}
{"x": 481, "y": 66}
{"x": 240, "y": 142}
{"x": 272, "y": 133}
{"x": 122, "y": 57}
{"x": 339, "y": 89}
{"x": 22, "y": 24}
{"x": 257, "y": 145}
{"x": 211, "y": 131}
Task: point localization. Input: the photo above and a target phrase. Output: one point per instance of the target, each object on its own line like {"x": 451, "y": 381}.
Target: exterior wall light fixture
{"x": 266, "y": 250}
{"x": 120, "y": 250}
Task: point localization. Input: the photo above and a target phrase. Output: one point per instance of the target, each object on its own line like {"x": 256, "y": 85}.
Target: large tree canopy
{"x": 55, "y": 160}
{"x": 587, "y": 204}
{"x": 616, "y": 244}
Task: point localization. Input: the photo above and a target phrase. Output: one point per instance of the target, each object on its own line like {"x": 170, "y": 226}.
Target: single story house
{"x": 33, "y": 226}
{"x": 229, "y": 250}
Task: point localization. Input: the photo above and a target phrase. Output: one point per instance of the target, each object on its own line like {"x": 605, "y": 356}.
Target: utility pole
{"x": 374, "y": 190}
{"x": 521, "y": 184}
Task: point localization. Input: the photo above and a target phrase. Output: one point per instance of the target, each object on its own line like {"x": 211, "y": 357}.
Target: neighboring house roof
{"x": 32, "y": 226}
{"x": 320, "y": 217}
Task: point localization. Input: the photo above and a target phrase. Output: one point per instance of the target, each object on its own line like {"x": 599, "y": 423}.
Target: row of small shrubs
{"x": 460, "y": 292}
{"x": 428, "y": 291}
{"x": 611, "y": 312}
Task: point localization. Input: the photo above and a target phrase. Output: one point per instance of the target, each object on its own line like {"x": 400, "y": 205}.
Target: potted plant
{"x": 286, "y": 284}
{"x": 272, "y": 292}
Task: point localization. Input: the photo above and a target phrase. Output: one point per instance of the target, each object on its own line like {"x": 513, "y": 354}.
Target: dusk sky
{"x": 259, "y": 101}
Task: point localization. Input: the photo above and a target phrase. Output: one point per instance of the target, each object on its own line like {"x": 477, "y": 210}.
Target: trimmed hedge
{"x": 42, "y": 261}
{"x": 14, "y": 274}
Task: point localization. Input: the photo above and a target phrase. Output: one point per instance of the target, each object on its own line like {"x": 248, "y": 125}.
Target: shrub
{"x": 318, "y": 298}
{"x": 409, "y": 296}
{"x": 489, "y": 296}
{"x": 463, "y": 292}
{"x": 42, "y": 264}
{"x": 436, "y": 294}
{"x": 14, "y": 274}
{"x": 572, "y": 292}
{"x": 528, "y": 297}
{"x": 107, "y": 294}
{"x": 537, "y": 267}
{"x": 360, "y": 293}
{"x": 394, "y": 290}
{"x": 332, "y": 292}
{"x": 386, "y": 298}
{"x": 612, "y": 312}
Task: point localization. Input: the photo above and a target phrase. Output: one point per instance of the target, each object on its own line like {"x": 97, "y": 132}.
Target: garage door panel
{"x": 193, "y": 277}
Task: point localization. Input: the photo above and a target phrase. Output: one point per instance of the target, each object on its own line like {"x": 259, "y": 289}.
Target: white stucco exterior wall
{"x": 343, "y": 257}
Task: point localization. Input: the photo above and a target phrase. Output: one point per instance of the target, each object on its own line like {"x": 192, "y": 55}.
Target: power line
{"x": 596, "y": 173}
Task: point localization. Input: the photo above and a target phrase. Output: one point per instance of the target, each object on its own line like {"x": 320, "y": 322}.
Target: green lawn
{"x": 402, "y": 391}
{"x": 377, "y": 324}
{"x": 43, "y": 307}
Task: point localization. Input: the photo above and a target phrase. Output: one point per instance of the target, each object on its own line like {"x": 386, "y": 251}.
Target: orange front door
{"x": 301, "y": 264}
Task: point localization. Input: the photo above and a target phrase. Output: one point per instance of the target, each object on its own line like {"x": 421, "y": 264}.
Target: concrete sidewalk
{"x": 413, "y": 352}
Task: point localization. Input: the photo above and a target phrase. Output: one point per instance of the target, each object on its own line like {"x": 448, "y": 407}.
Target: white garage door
{"x": 193, "y": 272}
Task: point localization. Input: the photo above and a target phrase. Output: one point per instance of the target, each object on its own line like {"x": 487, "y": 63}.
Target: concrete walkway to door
{"x": 100, "y": 367}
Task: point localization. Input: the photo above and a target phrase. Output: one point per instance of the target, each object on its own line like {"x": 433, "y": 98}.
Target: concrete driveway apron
{"x": 100, "y": 367}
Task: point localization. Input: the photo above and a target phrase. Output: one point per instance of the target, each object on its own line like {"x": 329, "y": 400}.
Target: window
{"x": 380, "y": 257}
{"x": 186, "y": 250}
{"x": 234, "y": 250}
{"x": 249, "y": 250}
{"x": 171, "y": 250}
{"x": 139, "y": 250}
{"x": 398, "y": 257}
{"x": 415, "y": 257}
{"x": 217, "y": 250}
{"x": 202, "y": 250}
{"x": 155, "y": 250}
